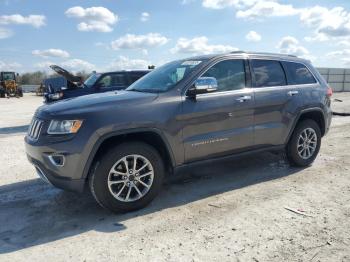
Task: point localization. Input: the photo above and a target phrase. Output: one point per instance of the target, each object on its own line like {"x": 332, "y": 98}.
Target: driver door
{"x": 221, "y": 122}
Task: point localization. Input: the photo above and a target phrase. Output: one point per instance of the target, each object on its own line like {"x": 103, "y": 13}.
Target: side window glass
{"x": 268, "y": 73}
{"x": 298, "y": 74}
{"x": 230, "y": 75}
{"x": 113, "y": 80}
{"x": 104, "y": 82}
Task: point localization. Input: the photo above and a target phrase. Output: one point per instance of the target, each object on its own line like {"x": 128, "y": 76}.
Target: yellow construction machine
{"x": 9, "y": 86}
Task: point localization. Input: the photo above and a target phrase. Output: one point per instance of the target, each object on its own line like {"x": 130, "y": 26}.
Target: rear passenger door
{"x": 276, "y": 102}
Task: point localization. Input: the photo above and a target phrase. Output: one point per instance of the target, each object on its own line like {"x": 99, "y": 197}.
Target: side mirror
{"x": 203, "y": 85}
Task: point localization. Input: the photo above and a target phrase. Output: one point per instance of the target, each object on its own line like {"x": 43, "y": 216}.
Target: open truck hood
{"x": 67, "y": 75}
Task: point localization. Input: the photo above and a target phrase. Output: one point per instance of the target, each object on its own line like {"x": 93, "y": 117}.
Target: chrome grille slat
{"x": 35, "y": 129}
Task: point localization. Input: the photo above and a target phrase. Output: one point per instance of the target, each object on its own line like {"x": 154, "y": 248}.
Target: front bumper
{"x": 67, "y": 176}
{"x": 50, "y": 177}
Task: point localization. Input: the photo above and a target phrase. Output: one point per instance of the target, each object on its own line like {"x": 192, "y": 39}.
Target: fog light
{"x": 57, "y": 160}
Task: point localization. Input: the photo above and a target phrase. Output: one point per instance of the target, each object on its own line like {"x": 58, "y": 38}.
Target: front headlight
{"x": 60, "y": 127}
{"x": 56, "y": 96}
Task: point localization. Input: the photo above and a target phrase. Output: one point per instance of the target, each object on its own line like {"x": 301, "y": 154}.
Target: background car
{"x": 68, "y": 85}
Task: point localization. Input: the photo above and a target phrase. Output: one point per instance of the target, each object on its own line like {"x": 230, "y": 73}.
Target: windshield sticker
{"x": 191, "y": 63}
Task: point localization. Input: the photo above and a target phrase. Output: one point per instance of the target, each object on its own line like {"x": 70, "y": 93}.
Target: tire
{"x": 296, "y": 153}
{"x": 113, "y": 160}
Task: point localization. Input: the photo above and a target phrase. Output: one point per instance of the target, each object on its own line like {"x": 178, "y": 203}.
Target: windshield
{"x": 91, "y": 80}
{"x": 165, "y": 77}
{"x": 8, "y": 76}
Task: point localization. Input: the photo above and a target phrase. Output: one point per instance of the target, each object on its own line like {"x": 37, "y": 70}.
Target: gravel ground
{"x": 232, "y": 211}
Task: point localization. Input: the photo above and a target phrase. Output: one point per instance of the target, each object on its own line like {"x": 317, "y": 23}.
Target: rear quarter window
{"x": 298, "y": 74}
{"x": 268, "y": 73}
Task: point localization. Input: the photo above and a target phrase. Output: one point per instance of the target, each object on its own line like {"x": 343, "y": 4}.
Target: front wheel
{"x": 304, "y": 144}
{"x": 127, "y": 177}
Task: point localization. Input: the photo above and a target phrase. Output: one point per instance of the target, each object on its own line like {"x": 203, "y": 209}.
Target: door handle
{"x": 293, "y": 93}
{"x": 244, "y": 98}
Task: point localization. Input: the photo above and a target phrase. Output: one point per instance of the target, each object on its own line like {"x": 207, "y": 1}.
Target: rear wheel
{"x": 127, "y": 177}
{"x": 304, "y": 144}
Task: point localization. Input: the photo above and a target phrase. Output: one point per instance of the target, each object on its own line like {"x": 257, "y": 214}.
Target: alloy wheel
{"x": 130, "y": 178}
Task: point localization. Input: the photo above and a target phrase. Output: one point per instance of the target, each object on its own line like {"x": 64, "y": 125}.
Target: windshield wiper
{"x": 144, "y": 90}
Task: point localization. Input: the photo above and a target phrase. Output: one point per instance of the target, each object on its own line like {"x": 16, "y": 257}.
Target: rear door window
{"x": 298, "y": 74}
{"x": 268, "y": 73}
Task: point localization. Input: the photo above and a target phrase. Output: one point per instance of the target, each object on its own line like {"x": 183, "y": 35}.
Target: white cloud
{"x": 344, "y": 43}
{"x": 130, "y": 41}
{"x": 44, "y": 65}
{"x": 9, "y": 66}
{"x": 340, "y": 55}
{"x": 5, "y": 33}
{"x": 220, "y": 4}
{"x": 186, "y": 2}
{"x": 52, "y": 52}
{"x": 73, "y": 65}
{"x": 290, "y": 45}
{"x": 94, "y": 26}
{"x": 263, "y": 9}
{"x": 126, "y": 63}
{"x": 199, "y": 45}
{"x": 94, "y": 19}
{"x": 17, "y": 19}
{"x": 328, "y": 23}
{"x": 253, "y": 36}
{"x": 76, "y": 65}
{"x": 144, "y": 17}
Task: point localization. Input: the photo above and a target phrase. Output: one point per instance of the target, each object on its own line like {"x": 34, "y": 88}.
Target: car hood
{"x": 95, "y": 102}
{"x": 67, "y": 75}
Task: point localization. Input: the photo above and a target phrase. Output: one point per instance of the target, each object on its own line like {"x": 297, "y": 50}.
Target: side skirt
{"x": 180, "y": 169}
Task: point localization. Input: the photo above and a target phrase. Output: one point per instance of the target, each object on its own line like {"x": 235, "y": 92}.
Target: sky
{"x": 132, "y": 34}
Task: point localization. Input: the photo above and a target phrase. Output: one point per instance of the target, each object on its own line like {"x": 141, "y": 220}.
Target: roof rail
{"x": 262, "y": 53}
{"x": 237, "y": 52}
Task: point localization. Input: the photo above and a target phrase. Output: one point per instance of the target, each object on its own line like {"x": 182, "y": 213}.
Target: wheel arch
{"x": 151, "y": 136}
{"x": 315, "y": 114}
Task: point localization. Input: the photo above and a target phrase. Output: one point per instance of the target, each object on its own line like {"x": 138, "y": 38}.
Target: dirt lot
{"x": 233, "y": 211}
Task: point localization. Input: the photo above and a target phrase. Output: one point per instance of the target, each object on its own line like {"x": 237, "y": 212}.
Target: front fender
{"x": 108, "y": 135}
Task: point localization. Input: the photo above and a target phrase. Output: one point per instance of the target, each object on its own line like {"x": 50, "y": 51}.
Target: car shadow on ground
{"x": 13, "y": 130}
{"x": 33, "y": 213}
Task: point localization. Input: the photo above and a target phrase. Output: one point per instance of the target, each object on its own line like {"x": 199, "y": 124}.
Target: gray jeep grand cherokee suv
{"x": 120, "y": 144}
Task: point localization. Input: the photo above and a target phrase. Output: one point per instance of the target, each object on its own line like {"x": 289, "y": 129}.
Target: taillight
{"x": 329, "y": 91}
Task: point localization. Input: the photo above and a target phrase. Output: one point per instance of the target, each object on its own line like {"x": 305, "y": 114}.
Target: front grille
{"x": 35, "y": 128}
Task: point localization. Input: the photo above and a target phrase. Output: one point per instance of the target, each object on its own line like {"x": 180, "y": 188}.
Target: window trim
{"x": 287, "y": 74}
{"x": 264, "y": 59}
{"x": 280, "y": 60}
{"x": 248, "y": 81}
